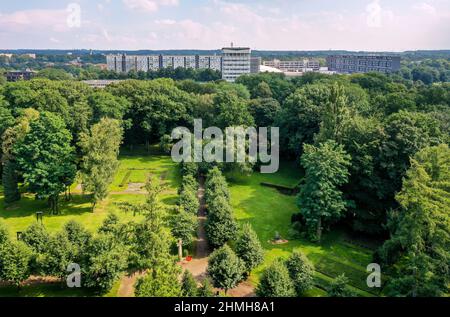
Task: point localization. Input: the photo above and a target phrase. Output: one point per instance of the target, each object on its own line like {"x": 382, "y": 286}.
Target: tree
{"x": 407, "y": 133}
{"x": 14, "y": 262}
{"x": 151, "y": 239}
{"x": 220, "y": 225}
{"x": 166, "y": 144}
{"x": 6, "y": 121}
{"x": 156, "y": 108}
{"x": 105, "y": 259}
{"x": 160, "y": 282}
{"x": 264, "y": 111}
{"x": 188, "y": 285}
{"x": 105, "y": 105}
{"x": 320, "y": 200}
{"x": 48, "y": 172}
{"x": 78, "y": 236}
{"x": 206, "y": 289}
{"x": 420, "y": 231}
{"x": 55, "y": 74}
{"x": 189, "y": 200}
{"x": 363, "y": 141}
{"x": 184, "y": 226}
{"x": 216, "y": 185}
{"x": 100, "y": 150}
{"x": 4, "y": 234}
{"x": 231, "y": 111}
{"x": 338, "y": 288}
{"x": 110, "y": 224}
{"x": 279, "y": 86}
{"x": 10, "y": 182}
{"x": 301, "y": 272}
{"x": 300, "y": 117}
{"x": 10, "y": 137}
{"x": 335, "y": 117}
{"x": 263, "y": 90}
{"x": 248, "y": 248}
{"x": 57, "y": 257}
{"x": 225, "y": 268}
{"x": 36, "y": 237}
{"x": 275, "y": 281}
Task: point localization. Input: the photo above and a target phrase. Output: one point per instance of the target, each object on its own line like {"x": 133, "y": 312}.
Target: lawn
{"x": 142, "y": 164}
{"x": 22, "y": 214}
{"x": 270, "y": 211}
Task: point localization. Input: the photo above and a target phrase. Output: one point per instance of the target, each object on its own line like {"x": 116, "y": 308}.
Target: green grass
{"x": 22, "y": 214}
{"x": 269, "y": 211}
{"x": 265, "y": 208}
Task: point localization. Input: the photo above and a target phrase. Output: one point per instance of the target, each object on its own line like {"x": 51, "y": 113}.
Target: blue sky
{"x": 373, "y": 25}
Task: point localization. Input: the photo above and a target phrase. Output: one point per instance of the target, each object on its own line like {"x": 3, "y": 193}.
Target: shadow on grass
{"x": 28, "y": 206}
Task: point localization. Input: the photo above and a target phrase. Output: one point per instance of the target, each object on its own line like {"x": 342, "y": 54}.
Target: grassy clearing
{"x": 19, "y": 216}
{"x": 22, "y": 214}
{"x": 269, "y": 211}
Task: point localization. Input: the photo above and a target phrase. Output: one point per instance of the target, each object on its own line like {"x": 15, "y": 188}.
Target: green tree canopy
{"x": 225, "y": 268}
{"x": 275, "y": 281}
{"x": 320, "y": 200}
{"x": 45, "y": 157}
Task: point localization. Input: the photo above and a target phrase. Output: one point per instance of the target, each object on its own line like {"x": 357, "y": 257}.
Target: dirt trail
{"x": 199, "y": 264}
{"x": 127, "y": 283}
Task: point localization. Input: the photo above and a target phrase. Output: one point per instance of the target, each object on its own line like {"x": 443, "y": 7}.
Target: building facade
{"x": 235, "y": 62}
{"x": 294, "y": 66}
{"x": 255, "y": 65}
{"x": 12, "y": 76}
{"x": 349, "y": 64}
{"x": 123, "y": 63}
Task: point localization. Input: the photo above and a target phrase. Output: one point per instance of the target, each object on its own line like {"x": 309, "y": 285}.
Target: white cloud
{"x": 148, "y": 5}
{"x": 425, "y": 8}
{"x": 35, "y": 19}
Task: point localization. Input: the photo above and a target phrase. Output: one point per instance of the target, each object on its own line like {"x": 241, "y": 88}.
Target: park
{"x": 267, "y": 209}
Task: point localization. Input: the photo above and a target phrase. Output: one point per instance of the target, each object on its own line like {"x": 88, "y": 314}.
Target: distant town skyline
{"x": 356, "y": 25}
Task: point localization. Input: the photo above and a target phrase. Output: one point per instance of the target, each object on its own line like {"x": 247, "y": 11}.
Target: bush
{"x": 188, "y": 285}
{"x": 220, "y": 225}
{"x": 275, "y": 281}
{"x": 225, "y": 268}
{"x": 338, "y": 287}
{"x": 189, "y": 201}
{"x": 104, "y": 260}
{"x": 190, "y": 168}
{"x": 4, "y": 235}
{"x": 301, "y": 272}
{"x": 248, "y": 248}
{"x": 14, "y": 262}
{"x": 184, "y": 226}
{"x": 189, "y": 183}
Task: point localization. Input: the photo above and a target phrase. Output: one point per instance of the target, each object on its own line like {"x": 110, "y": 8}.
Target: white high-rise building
{"x": 235, "y": 62}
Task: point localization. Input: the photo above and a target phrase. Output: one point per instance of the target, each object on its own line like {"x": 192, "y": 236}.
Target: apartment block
{"x": 190, "y": 62}
{"x": 294, "y": 66}
{"x": 122, "y": 63}
{"x": 349, "y": 64}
